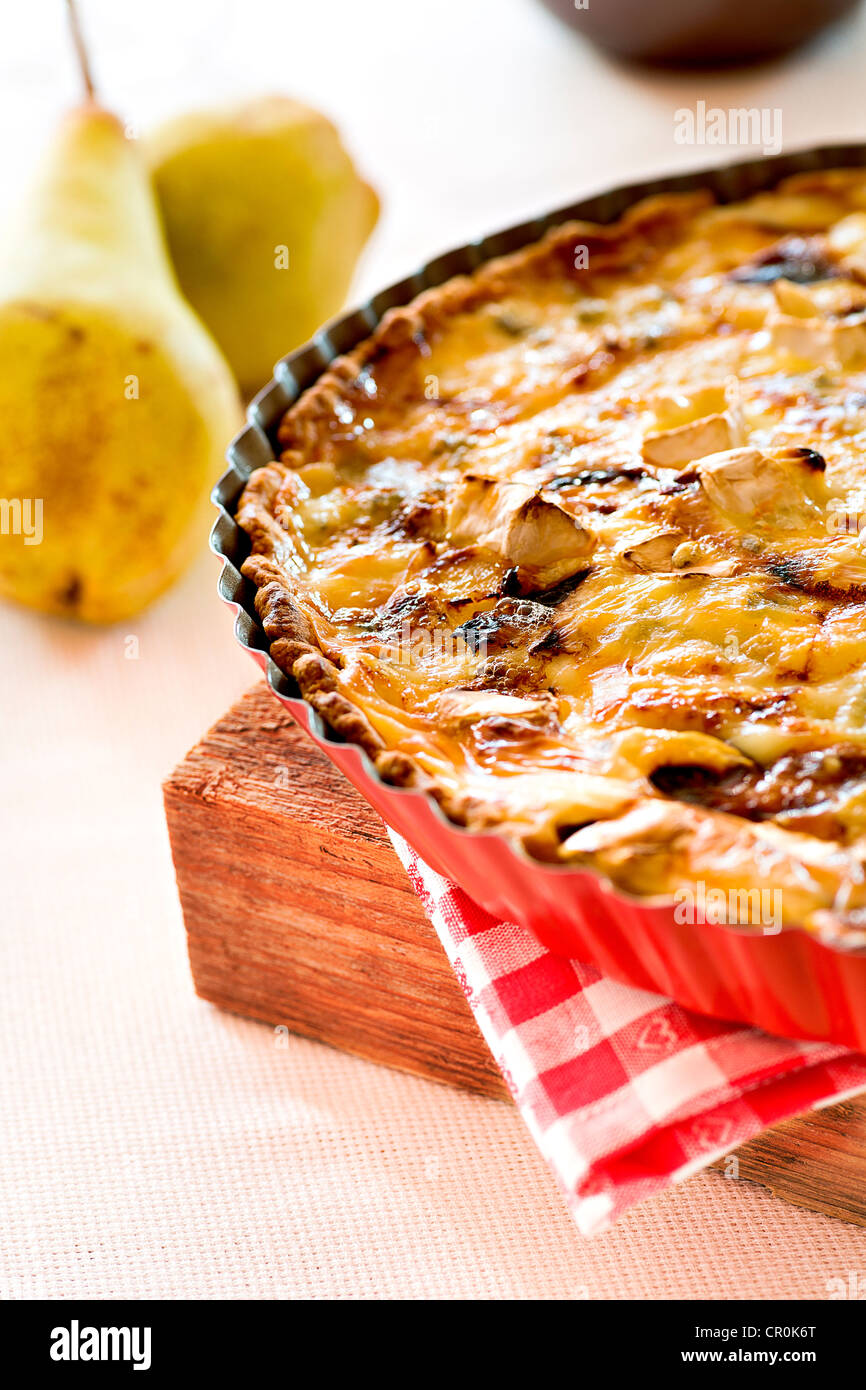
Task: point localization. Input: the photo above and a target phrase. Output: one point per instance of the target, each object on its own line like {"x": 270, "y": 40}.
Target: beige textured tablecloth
{"x": 151, "y": 1146}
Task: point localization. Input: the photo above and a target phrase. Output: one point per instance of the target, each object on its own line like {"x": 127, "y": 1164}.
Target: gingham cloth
{"x": 624, "y": 1092}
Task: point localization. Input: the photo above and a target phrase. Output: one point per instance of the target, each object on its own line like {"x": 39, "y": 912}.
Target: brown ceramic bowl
{"x": 702, "y": 32}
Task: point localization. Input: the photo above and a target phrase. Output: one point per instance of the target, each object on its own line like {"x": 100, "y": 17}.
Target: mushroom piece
{"x": 658, "y": 846}
{"x": 808, "y": 338}
{"x": 466, "y": 706}
{"x": 783, "y": 486}
{"x": 794, "y": 300}
{"x": 838, "y": 303}
{"x": 847, "y": 237}
{"x": 535, "y": 805}
{"x": 659, "y": 551}
{"x": 849, "y": 338}
{"x": 652, "y": 549}
{"x": 526, "y": 529}
{"x": 646, "y": 751}
{"x": 837, "y": 344}
{"x": 673, "y": 448}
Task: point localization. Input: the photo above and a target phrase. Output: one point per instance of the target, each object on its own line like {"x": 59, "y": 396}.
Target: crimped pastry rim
{"x": 304, "y": 367}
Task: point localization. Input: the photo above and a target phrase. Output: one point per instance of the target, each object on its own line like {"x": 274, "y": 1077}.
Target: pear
{"x": 116, "y": 403}
{"x": 265, "y": 216}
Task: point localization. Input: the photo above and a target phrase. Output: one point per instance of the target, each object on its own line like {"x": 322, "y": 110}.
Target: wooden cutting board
{"x": 299, "y": 913}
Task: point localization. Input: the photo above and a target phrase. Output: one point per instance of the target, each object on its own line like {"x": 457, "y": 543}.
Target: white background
{"x": 150, "y": 1145}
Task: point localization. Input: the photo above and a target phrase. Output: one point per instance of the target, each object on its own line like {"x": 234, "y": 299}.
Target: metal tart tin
{"x": 789, "y": 982}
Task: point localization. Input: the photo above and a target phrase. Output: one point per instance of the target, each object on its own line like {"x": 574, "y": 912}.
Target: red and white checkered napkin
{"x": 623, "y": 1091}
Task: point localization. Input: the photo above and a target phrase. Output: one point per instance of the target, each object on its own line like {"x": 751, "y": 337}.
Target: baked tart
{"x": 574, "y": 543}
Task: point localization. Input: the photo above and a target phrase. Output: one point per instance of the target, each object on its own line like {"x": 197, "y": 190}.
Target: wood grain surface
{"x": 298, "y": 912}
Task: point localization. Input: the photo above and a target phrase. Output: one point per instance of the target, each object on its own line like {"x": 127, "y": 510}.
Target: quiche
{"x": 576, "y": 544}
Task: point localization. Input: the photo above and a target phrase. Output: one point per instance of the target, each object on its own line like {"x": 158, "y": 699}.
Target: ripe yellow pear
{"x": 116, "y": 403}
{"x": 265, "y": 216}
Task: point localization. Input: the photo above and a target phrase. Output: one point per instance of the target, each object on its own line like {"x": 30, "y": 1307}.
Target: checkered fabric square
{"x": 623, "y": 1091}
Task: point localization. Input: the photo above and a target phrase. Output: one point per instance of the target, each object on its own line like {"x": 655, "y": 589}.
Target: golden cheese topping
{"x": 576, "y": 543}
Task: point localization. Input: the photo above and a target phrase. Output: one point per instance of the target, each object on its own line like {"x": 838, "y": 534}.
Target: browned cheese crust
{"x": 573, "y": 543}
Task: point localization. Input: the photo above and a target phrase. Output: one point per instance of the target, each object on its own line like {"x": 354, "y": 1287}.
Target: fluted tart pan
{"x": 789, "y": 981}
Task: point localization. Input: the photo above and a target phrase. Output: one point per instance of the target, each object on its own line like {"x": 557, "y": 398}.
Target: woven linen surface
{"x": 623, "y": 1091}
{"x": 154, "y": 1147}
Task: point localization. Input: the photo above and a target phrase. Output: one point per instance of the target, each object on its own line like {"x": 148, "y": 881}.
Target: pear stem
{"x": 81, "y": 49}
